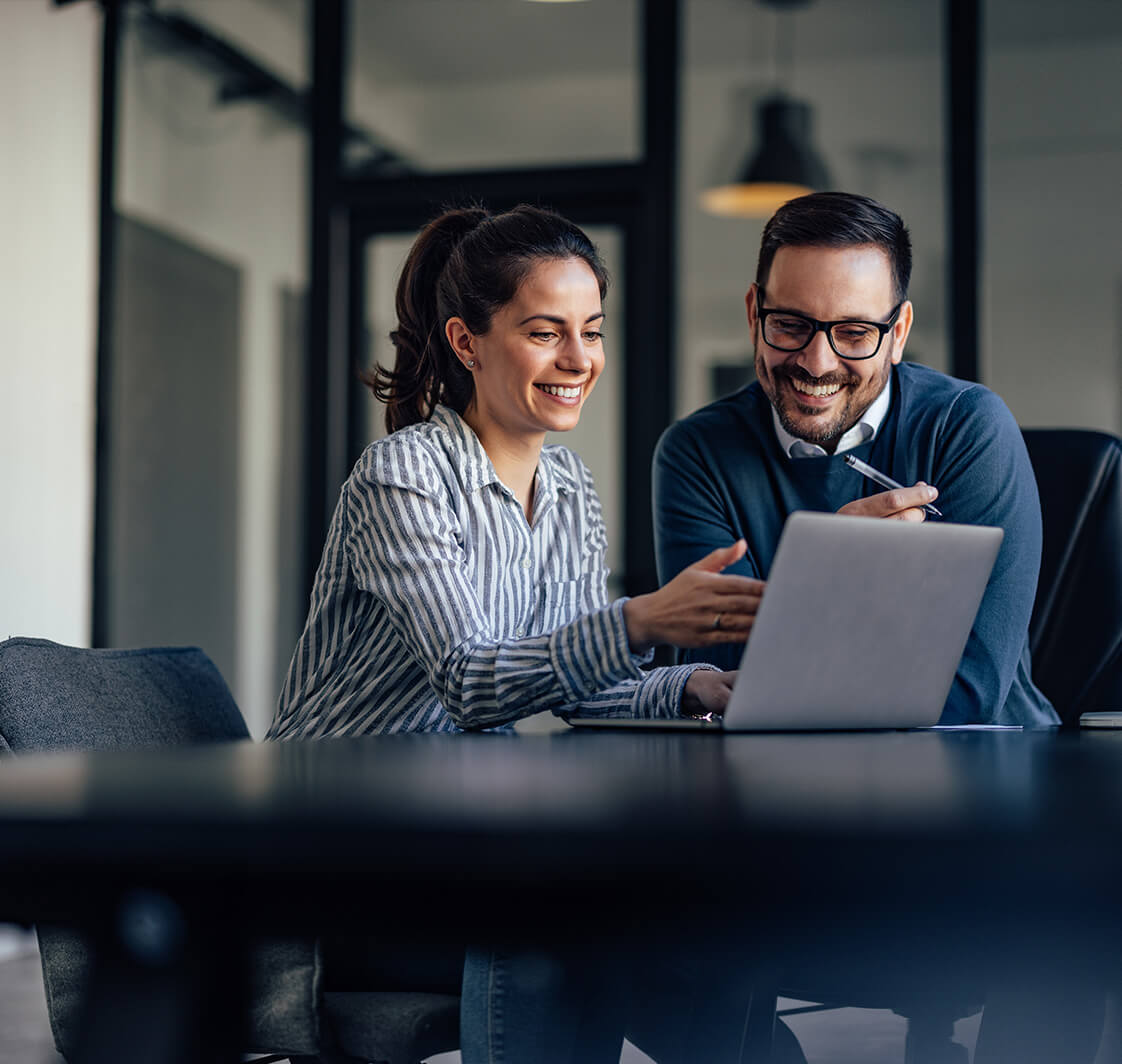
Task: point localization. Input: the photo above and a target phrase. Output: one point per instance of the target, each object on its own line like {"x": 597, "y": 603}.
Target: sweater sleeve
{"x": 693, "y": 517}
{"x": 984, "y": 476}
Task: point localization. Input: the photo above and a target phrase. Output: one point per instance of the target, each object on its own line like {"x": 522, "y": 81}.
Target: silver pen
{"x": 878, "y": 477}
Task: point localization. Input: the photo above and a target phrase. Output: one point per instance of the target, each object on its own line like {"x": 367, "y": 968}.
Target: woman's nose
{"x": 573, "y": 355}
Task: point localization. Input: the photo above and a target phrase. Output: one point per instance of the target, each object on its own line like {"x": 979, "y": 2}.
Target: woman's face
{"x": 541, "y": 356}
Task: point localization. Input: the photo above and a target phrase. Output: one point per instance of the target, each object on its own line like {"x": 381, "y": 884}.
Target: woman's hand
{"x": 707, "y": 691}
{"x": 698, "y": 608}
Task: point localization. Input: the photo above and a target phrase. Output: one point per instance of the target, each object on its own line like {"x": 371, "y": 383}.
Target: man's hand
{"x": 698, "y": 608}
{"x": 707, "y": 691}
{"x": 899, "y": 504}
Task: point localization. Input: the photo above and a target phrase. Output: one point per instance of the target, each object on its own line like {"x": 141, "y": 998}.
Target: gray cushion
{"x": 393, "y": 1027}
{"x": 55, "y": 697}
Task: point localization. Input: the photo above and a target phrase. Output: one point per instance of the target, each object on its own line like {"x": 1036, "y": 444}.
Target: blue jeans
{"x": 573, "y": 1006}
{"x": 529, "y": 1007}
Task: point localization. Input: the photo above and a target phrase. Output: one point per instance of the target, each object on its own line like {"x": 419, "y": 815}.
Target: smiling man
{"x": 829, "y": 317}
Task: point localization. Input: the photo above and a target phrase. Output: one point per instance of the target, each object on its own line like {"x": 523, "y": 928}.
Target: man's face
{"x": 817, "y": 394}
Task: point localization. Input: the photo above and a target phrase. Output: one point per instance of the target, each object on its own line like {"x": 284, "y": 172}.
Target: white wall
{"x": 49, "y": 120}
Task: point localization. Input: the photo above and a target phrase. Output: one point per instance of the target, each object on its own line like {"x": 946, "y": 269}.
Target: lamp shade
{"x": 784, "y": 166}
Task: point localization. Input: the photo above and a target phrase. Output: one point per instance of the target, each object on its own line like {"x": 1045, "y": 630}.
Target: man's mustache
{"x": 800, "y": 374}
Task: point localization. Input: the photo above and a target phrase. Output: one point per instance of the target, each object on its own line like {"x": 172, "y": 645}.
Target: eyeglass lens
{"x": 851, "y": 339}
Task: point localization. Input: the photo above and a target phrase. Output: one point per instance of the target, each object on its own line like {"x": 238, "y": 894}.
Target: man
{"x": 830, "y": 317}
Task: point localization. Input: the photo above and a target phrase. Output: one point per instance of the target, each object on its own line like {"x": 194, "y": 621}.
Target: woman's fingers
{"x": 722, "y": 557}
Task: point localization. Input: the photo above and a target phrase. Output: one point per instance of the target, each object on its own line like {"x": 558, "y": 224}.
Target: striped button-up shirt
{"x": 437, "y": 606}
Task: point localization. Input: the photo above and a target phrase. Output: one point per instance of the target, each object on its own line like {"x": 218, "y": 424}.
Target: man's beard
{"x": 817, "y": 427}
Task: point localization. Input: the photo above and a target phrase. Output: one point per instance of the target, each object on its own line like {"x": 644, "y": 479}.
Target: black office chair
{"x": 55, "y": 697}
{"x": 1076, "y": 630}
{"x": 1075, "y": 637}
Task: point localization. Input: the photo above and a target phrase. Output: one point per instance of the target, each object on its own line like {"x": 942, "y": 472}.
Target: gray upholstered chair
{"x": 1076, "y": 628}
{"x": 55, "y": 697}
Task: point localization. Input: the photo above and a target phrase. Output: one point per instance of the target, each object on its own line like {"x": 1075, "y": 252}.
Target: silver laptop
{"x": 862, "y": 625}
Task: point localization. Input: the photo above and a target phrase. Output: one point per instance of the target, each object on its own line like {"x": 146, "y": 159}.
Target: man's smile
{"x": 818, "y": 391}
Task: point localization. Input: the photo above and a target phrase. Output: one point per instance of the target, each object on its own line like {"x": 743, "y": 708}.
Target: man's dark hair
{"x": 838, "y": 220}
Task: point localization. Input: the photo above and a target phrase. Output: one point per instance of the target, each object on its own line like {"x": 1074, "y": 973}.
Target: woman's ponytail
{"x": 425, "y": 370}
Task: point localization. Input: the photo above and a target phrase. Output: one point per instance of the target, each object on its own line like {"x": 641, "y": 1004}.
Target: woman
{"x": 463, "y": 584}
{"x": 463, "y": 580}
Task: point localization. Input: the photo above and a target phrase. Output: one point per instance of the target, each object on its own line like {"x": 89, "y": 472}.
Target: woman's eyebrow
{"x": 558, "y": 320}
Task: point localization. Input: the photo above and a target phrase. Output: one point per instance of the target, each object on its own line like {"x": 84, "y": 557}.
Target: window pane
{"x": 490, "y": 84}
{"x": 1053, "y": 171}
{"x": 872, "y": 73}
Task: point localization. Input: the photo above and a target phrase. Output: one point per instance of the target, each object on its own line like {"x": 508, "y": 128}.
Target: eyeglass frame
{"x": 882, "y": 327}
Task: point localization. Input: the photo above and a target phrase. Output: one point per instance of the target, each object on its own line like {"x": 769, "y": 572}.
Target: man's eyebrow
{"x": 805, "y": 314}
{"x": 558, "y": 320}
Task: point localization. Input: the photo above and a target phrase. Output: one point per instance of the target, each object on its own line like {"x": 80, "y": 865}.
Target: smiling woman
{"x": 463, "y": 584}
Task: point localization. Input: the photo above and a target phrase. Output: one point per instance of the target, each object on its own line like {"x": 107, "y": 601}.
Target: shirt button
{"x": 526, "y": 563}
{"x": 520, "y": 632}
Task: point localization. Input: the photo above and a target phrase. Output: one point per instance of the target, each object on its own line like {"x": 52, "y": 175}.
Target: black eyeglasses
{"x": 854, "y": 340}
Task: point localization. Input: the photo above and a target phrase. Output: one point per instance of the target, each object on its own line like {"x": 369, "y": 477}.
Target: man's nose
{"x": 818, "y": 357}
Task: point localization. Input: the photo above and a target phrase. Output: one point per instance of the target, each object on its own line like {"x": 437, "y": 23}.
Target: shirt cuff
{"x": 592, "y": 653}
{"x": 660, "y": 695}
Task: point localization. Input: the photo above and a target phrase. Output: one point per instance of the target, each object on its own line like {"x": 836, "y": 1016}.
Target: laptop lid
{"x": 862, "y": 624}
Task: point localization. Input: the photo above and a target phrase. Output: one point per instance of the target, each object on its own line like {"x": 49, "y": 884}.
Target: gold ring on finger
{"x": 717, "y": 621}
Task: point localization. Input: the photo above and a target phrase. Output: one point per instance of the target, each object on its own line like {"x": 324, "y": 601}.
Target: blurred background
{"x": 205, "y": 204}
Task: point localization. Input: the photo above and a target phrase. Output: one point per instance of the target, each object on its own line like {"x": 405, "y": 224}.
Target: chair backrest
{"x": 1076, "y": 630}
{"x": 55, "y": 697}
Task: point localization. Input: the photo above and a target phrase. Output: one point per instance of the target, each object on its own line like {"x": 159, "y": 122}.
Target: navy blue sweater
{"x": 720, "y": 475}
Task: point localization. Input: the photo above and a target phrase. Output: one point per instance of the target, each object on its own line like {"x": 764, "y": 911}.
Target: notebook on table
{"x": 862, "y": 626}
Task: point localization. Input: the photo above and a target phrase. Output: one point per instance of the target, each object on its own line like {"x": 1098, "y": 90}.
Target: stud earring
{"x": 471, "y": 363}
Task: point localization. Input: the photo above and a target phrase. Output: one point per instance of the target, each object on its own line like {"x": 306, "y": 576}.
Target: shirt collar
{"x": 864, "y": 430}
{"x": 475, "y": 468}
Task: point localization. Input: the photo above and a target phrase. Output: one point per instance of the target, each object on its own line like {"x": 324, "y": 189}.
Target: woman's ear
{"x": 461, "y": 340}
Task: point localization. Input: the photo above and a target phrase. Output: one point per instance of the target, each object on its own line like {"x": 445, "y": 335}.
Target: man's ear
{"x": 900, "y": 330}
{"x": 461, "y": 339}
{"x": 750, "y": 303}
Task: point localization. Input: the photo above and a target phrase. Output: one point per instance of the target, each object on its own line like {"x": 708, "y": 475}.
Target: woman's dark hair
{"x": 467, "y": 263}
{"x": 838, "y": 220}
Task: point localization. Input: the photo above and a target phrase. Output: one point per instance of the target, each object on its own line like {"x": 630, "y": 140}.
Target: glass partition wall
{"x": 502, "y": 102}
{"x": 1051, "y": 341}
{"x": 871, "y": 75}
{"x": 446, "y": 86}
{"x": 200, "y": 460}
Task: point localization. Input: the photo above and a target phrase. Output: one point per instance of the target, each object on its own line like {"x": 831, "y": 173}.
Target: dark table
{"x": 994, "y": 846}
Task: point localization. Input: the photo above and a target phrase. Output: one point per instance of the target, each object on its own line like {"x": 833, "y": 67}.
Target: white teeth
{"x": 564, "y": 393}
{"x": 819, "y": 391}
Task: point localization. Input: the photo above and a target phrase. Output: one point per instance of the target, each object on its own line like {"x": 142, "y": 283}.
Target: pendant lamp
{"x": 784, "y": 163}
